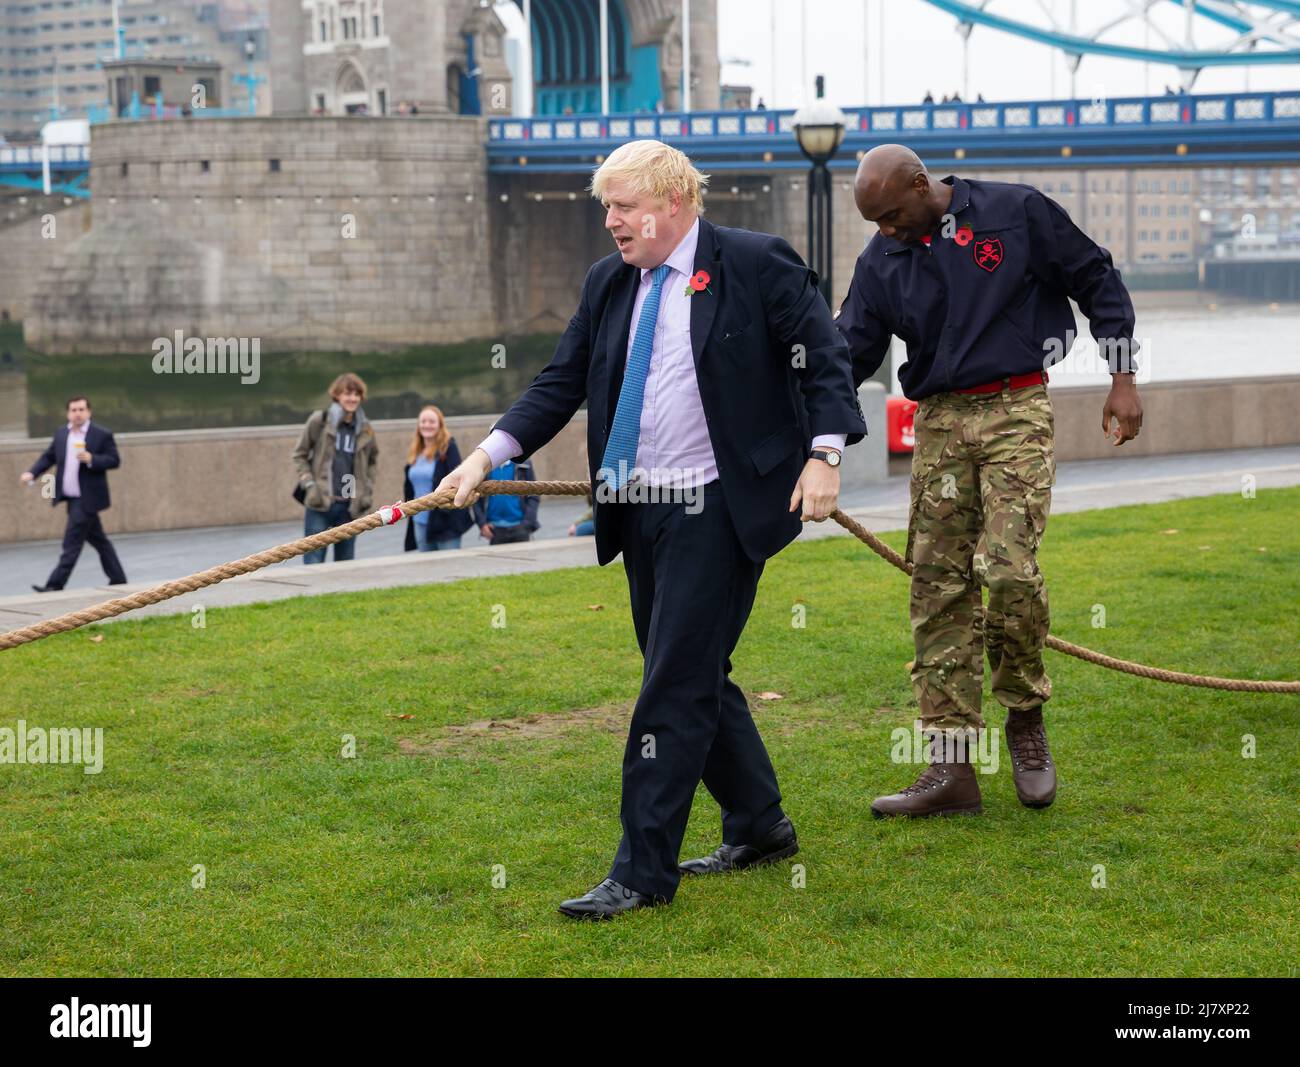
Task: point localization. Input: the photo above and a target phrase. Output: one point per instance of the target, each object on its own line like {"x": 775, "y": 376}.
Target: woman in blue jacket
{"x": 432, "y": 455}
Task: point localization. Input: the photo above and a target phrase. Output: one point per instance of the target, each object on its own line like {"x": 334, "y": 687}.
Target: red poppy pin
{"x": 964, "y": 236}
{"x": 988, "y": 253}
{"x": 699, "y": 282}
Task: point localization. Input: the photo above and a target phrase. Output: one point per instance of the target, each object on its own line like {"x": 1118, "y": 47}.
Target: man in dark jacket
{"x": 719, "y": 399}
{"x": 976, "y": 277}
{"x": 82, "y": 455}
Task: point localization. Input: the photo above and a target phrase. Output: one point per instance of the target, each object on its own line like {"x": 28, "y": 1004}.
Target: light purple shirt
{"x": 674, "y": 445}
{"x": 71, "y": 464}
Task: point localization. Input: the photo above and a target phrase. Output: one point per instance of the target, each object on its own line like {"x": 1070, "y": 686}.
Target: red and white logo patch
{"x": 988, "y": 253}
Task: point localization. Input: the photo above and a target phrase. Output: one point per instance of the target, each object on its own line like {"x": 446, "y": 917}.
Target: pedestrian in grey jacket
{"x": 336, "y": 459}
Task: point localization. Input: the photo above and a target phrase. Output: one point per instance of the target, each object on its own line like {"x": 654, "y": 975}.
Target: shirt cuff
{"x": 830, "y": 440}
{"x": 500, "y": 446}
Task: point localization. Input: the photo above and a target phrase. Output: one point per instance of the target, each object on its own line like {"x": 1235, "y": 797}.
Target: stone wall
{"x": 27, "y": 249}
{"x": 321, "y": 233}
{"x": 542, "y": 248}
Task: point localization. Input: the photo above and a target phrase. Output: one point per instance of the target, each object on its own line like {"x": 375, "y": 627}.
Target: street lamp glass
{"x": 819, "y": 129}
{"x": 819, "y": 142}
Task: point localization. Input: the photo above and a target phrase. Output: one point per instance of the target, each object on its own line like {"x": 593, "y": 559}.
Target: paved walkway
{"x": 153, "y": 557}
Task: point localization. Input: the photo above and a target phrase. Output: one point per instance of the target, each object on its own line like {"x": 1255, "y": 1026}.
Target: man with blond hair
{"x": 719, "y": 400}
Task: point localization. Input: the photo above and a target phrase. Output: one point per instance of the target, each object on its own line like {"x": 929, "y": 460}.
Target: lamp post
{"x": 819, "y": 129}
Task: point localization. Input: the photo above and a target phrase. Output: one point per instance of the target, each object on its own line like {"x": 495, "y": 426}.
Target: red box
{"x": 899, "y": 412}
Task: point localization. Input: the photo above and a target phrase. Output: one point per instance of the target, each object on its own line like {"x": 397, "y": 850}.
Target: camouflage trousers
{"x": 982, "y": 473}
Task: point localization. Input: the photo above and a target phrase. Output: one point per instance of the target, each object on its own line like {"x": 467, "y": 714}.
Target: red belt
{"x": 1016, "y": 381}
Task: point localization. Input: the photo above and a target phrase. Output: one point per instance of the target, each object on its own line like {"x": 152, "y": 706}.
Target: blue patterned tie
{"x": 626, "y": 431}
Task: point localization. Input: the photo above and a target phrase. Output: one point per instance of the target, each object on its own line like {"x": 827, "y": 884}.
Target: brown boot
{"x": 1031, "y": 759}
{"x": 947, "y": 787}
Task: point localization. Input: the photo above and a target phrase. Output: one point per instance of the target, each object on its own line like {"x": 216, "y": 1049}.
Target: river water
{"x": 1187, "y": 336}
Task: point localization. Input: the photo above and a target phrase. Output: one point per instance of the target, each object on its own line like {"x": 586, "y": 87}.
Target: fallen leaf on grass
{"x": 769, "y": 696}
{"x": 406, "y": 716}
{"x": 97, "y": 638}
{"x": 1169, "y": 531}
{"x": 595, "y": 607}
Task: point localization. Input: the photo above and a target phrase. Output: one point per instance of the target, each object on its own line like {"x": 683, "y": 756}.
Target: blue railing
{"x": 135, "y": 110}
{"x": 1121, "y": 113}
{"x": 27, "y": 157}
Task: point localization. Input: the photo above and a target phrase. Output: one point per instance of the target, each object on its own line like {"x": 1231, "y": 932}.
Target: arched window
{"x": 350, "y": 92}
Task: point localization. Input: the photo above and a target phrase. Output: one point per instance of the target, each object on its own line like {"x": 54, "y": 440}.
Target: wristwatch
{"x": 830, "y": 458}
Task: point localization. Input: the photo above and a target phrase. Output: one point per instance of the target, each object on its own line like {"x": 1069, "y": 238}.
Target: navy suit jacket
{"x": 772, "y": 368}
{"x": 93, "y": 479}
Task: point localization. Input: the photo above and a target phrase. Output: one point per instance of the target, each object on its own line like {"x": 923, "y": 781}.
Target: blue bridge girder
{"x": 1193, "y": 59}
{"x": 1130, "y": 131}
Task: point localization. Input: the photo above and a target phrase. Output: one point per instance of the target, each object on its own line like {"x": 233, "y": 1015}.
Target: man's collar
{"x": 682, "y": 258}
{"x": 960, "y": 193}
{"x": 73, "y": 429}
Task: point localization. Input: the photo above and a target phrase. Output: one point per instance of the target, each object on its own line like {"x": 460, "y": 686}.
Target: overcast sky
{"x": 922, "y": 50}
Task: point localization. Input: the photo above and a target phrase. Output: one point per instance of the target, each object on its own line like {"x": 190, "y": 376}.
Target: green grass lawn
{"x": 223, "y": 748}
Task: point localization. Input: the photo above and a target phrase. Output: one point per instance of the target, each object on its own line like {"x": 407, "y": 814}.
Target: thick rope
{"x": 389, "y": 515}
{"x": 1141, "y": 670}
{"x": 256, "y": 562}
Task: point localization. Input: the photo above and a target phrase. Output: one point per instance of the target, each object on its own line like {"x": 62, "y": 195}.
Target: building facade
{"x": 51, "y": 51}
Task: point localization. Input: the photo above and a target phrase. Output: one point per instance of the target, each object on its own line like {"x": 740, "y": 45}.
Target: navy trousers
{"x": 84, "y": 528}
{"x": 692, "y": 588}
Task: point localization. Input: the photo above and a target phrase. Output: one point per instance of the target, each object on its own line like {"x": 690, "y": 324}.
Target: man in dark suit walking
{"x": 719, "y": 400}
{"x": 82, "y": 454}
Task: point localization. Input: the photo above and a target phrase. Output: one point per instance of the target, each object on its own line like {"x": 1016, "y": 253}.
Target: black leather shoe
{"x": 777, "y": 844}
{"x": 608, "y": 899}
{"x": 47, "y": 588}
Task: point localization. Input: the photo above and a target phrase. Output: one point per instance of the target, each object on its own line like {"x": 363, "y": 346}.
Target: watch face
{"x": 833, "y": 458}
